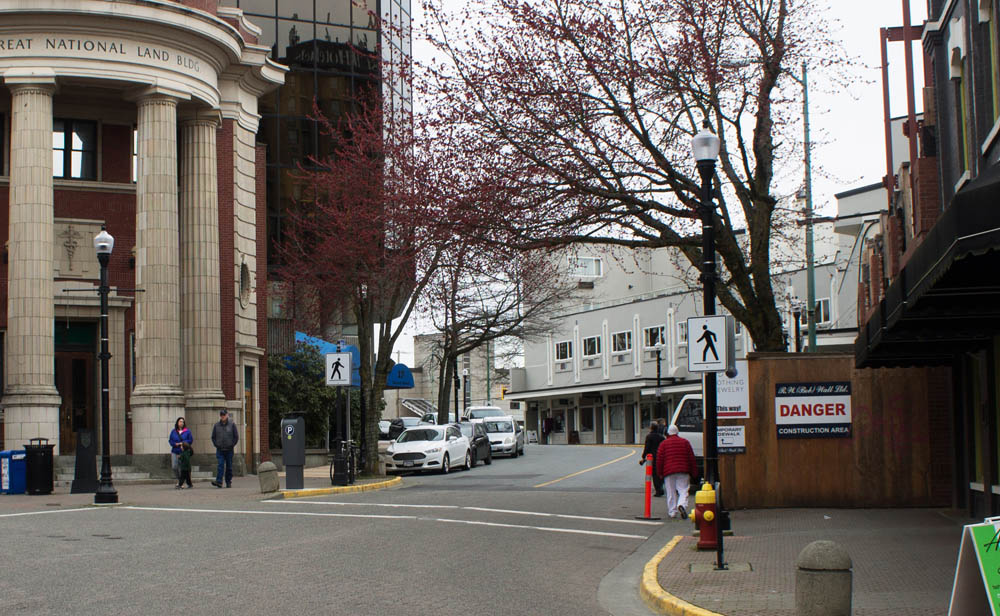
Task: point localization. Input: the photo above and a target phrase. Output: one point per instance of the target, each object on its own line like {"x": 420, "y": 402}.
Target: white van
{"x": 482, "y": 412}
{"x": 689, "y": 417}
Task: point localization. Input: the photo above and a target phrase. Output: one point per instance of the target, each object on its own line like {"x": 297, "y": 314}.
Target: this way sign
{"x": 708, "y": 350}
{"x": 338, "y": 368}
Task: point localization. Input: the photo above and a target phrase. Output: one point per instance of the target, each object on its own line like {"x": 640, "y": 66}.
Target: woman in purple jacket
{"x": 179, "y": 437}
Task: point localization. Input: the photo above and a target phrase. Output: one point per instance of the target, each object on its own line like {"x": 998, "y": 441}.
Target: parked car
{"x": 482, "y": 412}
{"x": 479, "y": 442}
{"x": 431, "y": 418}
{"x": 428, "y": 448}
{"x": 383, "y": 429}
{"x": 505, "y": 437}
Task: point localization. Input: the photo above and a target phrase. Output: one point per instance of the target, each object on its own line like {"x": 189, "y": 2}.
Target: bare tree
{"x": 584, "y": 110}
{"x": 486, "y": 293}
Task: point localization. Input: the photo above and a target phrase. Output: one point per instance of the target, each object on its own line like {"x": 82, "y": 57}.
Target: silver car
{"x": 506, "y": 436}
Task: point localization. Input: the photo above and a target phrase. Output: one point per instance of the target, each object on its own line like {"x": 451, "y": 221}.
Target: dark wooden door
{"x": 249, "y": 406}
{"x": 75, "y": 382}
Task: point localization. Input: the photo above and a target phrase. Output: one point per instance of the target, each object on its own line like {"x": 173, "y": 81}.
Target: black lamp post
{"x": 659, "y": 397}
{"x": 465, "y": 394}
{"x": 705, "y": 147}
{"x": 106, "y": 494}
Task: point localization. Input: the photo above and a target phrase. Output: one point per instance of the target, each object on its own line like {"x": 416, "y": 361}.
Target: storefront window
{"x": 616, "y": 417}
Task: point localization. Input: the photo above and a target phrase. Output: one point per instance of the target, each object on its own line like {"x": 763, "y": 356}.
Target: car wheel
{"x": 475, "y": 458}
{"x": 514, "y": 453}
{"x": 468, "y": 460}
{"x": 489, "y": 458}
{"x": 445, "y": 465}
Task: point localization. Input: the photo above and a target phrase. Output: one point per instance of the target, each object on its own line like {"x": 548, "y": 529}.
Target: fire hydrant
{"x": 706, "y": 518}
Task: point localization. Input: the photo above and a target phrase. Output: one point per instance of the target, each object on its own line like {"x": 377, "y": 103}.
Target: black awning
{"x": 946, "y": 299}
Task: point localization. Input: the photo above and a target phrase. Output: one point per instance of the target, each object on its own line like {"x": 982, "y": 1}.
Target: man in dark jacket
{"x": 224, "y": 437}
{"x": 653, "y": 440}
{"x": 676, "y": 464}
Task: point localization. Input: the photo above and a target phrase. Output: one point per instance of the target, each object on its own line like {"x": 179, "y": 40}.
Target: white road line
{"x": 305, "y": 502}
{"x": 485, "y": 509}
{"x": 14, "y": 515}
{"x": 565, "y": 515}
{"x": 550, "y": 529}
{"x": 298, "y": 513}
{"x": 314, "y": 514}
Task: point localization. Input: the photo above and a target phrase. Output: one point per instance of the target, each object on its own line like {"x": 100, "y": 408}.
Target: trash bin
{"x": 12, "y": 471}
{"x": 38, "y": 476}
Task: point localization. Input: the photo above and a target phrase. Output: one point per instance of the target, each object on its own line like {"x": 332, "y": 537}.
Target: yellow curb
{"x": 660, "y": 600}
{"x": 364, "y": 487}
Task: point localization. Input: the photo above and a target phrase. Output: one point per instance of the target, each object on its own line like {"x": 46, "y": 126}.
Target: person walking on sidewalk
{"x": 653, "y": 440}
{"x": 224, "y": 437}
{"x": 676, "y": 464}
{"x": 178, "y": 437}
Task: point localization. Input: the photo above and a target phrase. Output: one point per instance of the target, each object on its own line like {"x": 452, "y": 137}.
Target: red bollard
{"x": 649, "y": 490}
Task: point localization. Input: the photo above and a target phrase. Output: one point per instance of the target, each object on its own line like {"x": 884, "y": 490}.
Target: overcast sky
{"x": 847, "y": 127}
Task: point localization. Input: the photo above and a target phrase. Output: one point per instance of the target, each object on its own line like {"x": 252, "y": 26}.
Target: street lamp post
{"x": 705, "y": 147}
{"x": 659, "y": 396}
{"x": 106, "y": 494}
{"x": 458, "y": 385}
{"x": 465, "y": 392}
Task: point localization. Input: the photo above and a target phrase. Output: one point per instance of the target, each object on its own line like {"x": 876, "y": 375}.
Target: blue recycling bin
{"x": 13, "y": 472}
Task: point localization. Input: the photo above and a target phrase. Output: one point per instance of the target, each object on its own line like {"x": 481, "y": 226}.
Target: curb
{"x": 660, "y": 600}
{"x": 365, "y": 487}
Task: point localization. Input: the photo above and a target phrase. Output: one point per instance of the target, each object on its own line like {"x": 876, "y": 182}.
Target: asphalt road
{"x": 552, "y": 532}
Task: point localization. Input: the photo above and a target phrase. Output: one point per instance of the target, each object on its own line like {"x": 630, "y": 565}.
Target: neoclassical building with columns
{"x": 140, "y": 115}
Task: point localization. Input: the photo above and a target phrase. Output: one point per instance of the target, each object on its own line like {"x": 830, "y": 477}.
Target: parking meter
{"x": 293, "y": 450}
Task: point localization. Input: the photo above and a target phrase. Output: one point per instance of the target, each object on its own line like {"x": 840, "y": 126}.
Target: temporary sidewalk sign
{"x": 976, "y": 591}
{"x": 731, "y": 439}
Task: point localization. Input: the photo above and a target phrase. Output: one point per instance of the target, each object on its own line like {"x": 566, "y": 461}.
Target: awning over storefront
{"x": 556, "y": 392}
{"x": 946, "y": 299}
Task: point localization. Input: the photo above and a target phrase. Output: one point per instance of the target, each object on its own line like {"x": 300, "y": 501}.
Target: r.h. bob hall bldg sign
{"x": 140, "y": 116}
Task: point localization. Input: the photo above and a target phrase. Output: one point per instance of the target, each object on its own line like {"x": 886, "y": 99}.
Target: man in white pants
{"x": 676, "y": 464}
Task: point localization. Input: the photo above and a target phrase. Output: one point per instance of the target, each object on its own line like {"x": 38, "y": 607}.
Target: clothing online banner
{"x": 813, "y": 410}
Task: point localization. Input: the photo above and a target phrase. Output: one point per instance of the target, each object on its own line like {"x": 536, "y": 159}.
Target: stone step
{"x": 115, "y": 475}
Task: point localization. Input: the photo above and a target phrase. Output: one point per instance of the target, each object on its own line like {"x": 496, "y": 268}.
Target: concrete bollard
{"x": 267, "y": 472}
{"x": 823, "y": 580}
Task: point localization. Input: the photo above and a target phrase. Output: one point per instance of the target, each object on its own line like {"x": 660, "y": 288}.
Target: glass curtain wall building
{"x": 331, "y": 48}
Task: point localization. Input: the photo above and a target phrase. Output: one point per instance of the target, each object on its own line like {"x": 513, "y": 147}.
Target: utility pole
{"x": 810, "y": 271}
{"x": 489, "y": 368}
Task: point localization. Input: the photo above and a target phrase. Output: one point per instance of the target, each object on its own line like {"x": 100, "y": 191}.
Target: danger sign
{"x": 813, "y": 410}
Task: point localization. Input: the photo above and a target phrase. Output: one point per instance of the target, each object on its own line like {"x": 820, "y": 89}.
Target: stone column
{"x": 31, "y": 401}
{"x": 157, "y": 399}
{"x": 199, "y": 249}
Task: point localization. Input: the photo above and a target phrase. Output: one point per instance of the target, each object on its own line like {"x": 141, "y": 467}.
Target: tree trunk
{"x": 445, "y": 375}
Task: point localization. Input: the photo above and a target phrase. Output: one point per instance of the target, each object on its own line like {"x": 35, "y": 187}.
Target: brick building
{"x": 929, "y": 290}
{"x": 141, "y": 116}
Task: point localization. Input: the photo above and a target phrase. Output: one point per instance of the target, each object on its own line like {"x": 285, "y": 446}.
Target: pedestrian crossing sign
{"x": 338, "y": 369}
{"x": 708, "y": 343}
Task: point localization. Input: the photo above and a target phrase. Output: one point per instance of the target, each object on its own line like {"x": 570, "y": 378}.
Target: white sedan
{"x": 429, "y": 448}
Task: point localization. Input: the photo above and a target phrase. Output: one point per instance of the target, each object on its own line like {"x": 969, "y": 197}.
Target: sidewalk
{"x": 245, "y": 489}
{"x": 904, "y": 560}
